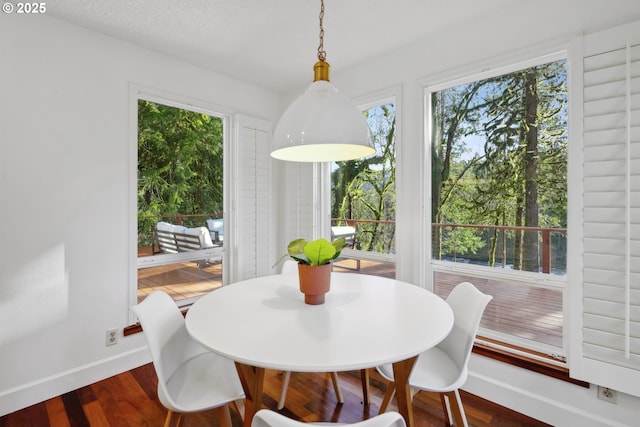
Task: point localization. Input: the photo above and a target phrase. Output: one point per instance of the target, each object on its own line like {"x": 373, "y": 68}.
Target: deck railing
{"x": 492, "y": 245}
{"x": 502, "y": 246}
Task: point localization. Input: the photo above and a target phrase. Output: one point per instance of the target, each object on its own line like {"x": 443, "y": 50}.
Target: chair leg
{"x": 167, "y": 420}
{"x": 446, "y": 409}
{"x": 238, "y": 405}
{"x": 224, "y": 415}
{"x": 285, "y": 386}
{"x": 456, "y": 408}
{"x": 366, "y": 386}
{"x": 388, "y": 395}
{"x": 173, "y": 419}
{"x": 336, "y": 387}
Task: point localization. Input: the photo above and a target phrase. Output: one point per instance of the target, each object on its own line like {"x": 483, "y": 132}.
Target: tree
{"x": 520, "y": 177}
{"x": 365, "y": 189}
{"x": 523, "y": 137}
{"x": 180, "y": 163}
{"x": 455, "y": 112}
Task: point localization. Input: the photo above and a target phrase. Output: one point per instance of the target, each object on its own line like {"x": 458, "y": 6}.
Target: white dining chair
{"x": 268, "y": 418}
{"x": 190, "y": 377}
{"x": 290, "y": 266}
{"x": 443, "y": 368}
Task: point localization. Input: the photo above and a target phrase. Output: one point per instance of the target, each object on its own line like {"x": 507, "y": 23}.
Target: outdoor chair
{"x": 216, "y": 229}
{"x": 349, "y": 233}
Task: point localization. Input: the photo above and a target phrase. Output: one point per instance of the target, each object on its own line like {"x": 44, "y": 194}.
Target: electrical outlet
{"x": 607, "y": 394}
{"x": 112, "y": 337}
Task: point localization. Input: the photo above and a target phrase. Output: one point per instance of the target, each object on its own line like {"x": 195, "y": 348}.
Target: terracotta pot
{"x": 314, "y": 282}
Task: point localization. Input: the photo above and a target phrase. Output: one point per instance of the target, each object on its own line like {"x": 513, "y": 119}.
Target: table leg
{"x": 366, "y": 385}
{"x": 252, "y": 379}
{"x": 401, "y": 373}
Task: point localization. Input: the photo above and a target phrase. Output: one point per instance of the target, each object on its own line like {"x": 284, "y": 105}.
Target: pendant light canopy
{"x": 321, "y": 125}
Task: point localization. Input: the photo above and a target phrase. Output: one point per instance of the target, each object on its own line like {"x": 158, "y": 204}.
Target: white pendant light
{"x": 321, "y": 125}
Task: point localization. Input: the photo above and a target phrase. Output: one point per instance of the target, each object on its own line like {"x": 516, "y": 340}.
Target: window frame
{"x": 140, "y": 92}
{"x": 390, "y": 95}
{"x": 500, "y": 66}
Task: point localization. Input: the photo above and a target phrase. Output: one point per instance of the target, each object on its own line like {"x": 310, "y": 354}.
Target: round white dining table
{"x": 366, "y": 321}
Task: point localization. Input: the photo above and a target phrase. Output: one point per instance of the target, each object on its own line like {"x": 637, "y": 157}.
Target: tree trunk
{"x": 494, "y": 246}
{"x": 531, "y": 250}
{"x": 517, "y": 239}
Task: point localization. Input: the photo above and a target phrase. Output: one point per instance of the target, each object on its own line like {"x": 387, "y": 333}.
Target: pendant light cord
{"x": 322, "y": 55}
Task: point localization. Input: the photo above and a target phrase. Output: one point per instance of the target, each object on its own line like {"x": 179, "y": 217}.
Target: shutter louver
{"x": 300, "y": 200}
{"x": 253, "y": 189}
{"x": 611, "y": 215}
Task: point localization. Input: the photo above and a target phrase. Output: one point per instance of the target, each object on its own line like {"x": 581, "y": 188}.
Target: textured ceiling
{"x": 273, "y": 43}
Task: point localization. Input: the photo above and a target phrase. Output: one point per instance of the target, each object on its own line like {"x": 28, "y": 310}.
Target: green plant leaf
{"x": 296, "y": 251}
{"x": 319, "y": 252}
{"x": 297, "y": 246}
{"x": 339, "y": 244}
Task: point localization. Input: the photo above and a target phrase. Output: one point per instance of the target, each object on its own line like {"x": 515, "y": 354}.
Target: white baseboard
{"x": 547, "y": 399}
{"x": 29, "y": 394}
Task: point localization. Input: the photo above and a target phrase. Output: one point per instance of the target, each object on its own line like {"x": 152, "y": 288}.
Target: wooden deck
{"x": 181, "y": 281}
{"x": 526, "y": 312}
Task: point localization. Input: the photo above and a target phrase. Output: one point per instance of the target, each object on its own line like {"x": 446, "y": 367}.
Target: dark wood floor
{"x": 130, "y": 400}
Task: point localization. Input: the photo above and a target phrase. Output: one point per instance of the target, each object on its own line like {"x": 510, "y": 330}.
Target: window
{"x": 180, "y": 219}
{"x": 363, "y": 202}
{"x": 499, "y": 198}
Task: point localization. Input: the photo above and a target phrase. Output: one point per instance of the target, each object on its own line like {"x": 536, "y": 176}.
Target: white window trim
{"x": 136, "y": 93}
{"x": 524, "y": 58}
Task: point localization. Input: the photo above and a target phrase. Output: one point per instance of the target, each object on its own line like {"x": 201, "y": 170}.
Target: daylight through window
{"x": 180, "y": 201}
{"x": 363, "y": 206}
{"x": 499, "y": 198}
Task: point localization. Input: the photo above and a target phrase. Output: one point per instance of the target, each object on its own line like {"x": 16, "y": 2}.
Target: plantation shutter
{"x": 252, "y": 189}
{"x": 301, "y": 201}
{"x": 611, "y": 209}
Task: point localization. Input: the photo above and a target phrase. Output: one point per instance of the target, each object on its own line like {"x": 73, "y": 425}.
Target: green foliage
{"x": 515, "y": 175}
{"x": 462, "y": 241}
{"x": 364, "y": 189}
{"x": 317, "y": 252}
{"x": 180, "y": 163}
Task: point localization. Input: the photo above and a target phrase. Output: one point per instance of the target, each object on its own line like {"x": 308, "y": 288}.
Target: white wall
{"x": 516, "y": 34}
{"x": 64, "y": 162}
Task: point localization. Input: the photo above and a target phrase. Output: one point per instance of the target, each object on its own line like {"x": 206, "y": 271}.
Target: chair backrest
{"x": 169, "y": 342}
{"x": 346, "y": 231}
{"x": 289, "y": 266}
{"x": 177, "y": 238}
{"x": 468, "y": 305}
{"x": 268, "y": 418}
{"x": 216, "y": 225}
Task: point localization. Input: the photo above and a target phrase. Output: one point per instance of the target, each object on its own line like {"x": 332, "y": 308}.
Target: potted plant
{"x": 314, "y": 265}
